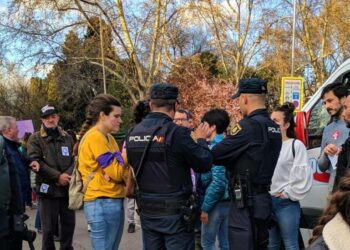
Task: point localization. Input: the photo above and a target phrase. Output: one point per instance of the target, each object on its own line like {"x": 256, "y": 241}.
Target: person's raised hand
{"x": 202, "y": 131}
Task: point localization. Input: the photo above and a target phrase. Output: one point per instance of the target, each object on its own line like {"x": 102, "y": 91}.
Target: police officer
{"x": 164, "y": 179}
{"x": 250, "y": 154}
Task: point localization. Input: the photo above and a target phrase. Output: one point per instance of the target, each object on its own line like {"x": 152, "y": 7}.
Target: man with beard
{"x": 52, "y": 147}
{"x": 336, "y": 132}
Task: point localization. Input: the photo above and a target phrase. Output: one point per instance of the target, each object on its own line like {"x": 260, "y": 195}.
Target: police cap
{"x": 164, "y": 91}
{"x": 251, "y": 86}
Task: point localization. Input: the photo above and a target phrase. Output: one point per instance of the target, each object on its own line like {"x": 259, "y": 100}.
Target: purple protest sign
{"x": 24, "y": 126}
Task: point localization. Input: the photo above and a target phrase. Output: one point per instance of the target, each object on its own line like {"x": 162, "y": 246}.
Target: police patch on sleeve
{"x": 235, "y": 129}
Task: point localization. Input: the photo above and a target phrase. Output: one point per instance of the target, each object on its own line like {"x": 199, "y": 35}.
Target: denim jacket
{"x": 214, "y": 182}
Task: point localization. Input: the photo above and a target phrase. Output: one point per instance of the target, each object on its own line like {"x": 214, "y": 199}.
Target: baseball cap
{"x": 48, "y": 110}
{"x": 251, "y": 86}
{"x": 165, "y": 91}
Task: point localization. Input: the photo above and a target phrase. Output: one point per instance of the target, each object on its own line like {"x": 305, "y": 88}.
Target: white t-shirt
{"x": 292, "y": 175}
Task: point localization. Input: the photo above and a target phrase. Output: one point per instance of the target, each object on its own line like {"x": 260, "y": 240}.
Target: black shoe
{"x": 131, "y": 228}
{"x": 56, "y": 238}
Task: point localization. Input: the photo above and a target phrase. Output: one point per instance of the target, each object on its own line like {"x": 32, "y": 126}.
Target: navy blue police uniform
{"x": 250, "y": 154}
{"x": 164, "y": 181}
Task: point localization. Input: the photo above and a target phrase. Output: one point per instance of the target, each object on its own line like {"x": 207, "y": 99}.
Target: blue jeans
{"x": 106, "y": 218}
{"x": 217, "y": 226}
{"x": 287, "y": 215}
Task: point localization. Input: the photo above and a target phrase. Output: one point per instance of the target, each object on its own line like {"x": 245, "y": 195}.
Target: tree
{"x": 141, "y": 37}
{"x": 321, "y": 31}
{"x": 236, "y": 29}
{"x": 195, "y": 81}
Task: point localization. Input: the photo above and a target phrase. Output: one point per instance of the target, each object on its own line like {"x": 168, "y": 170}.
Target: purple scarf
{"x": 105, "y": 159}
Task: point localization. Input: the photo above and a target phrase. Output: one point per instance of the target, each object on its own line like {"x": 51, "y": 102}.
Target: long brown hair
{"x": 101, "y": 103}
{"x": 339, "y": 202}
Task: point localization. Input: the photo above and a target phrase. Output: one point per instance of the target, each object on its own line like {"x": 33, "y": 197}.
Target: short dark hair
{"x": 338, "y": 89}
{"x": 168, "y": 104}
{"x": 183, "y": 111}
{"x": 217, "y": 117}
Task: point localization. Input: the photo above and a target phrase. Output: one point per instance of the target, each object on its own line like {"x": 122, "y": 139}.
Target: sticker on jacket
{"x": 65, "y": 151}
{"x": 44, "y": 188}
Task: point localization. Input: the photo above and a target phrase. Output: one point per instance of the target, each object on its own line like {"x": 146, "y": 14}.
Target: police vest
{"x": 261, "y": 157}
{"x": 159, "y": 174}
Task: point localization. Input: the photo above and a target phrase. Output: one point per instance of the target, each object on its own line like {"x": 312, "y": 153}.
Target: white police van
{"x": 310, "y": 123}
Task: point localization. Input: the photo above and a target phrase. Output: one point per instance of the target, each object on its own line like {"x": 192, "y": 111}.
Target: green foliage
{"x": 79, "y": 75}
{"x": 116, "y": 89}
{"x": 210, "y": 60}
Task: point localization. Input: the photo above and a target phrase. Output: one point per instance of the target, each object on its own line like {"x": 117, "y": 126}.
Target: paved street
{"x": 81, "y": 236}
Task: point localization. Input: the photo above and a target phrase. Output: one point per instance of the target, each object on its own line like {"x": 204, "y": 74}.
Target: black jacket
{"x": 343, "y": 163}
{"x": 55, "y": 157}
{"x": 255, "y": 143}
{"x": 171, "y": 156}
{"x": 10, "y": 190}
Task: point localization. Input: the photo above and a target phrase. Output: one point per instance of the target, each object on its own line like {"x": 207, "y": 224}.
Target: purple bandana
{"x": 105, "y": 159}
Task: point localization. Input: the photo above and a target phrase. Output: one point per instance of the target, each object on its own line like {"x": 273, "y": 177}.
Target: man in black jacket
{"x": 13, "y": 174}
{"x": 164, "y": 181}
{"x": 52, "y": 147}
{"x": 250, "y": 155}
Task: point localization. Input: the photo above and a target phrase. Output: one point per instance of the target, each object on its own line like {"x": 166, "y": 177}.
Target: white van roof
{"x": 343, "y": 68}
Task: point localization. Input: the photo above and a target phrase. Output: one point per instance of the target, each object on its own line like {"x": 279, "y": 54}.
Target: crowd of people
{"x": 197, "y": 187}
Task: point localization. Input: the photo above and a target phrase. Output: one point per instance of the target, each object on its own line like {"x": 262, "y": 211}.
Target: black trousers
{"x": 50, "y": 210}
{"x": 9, "y": 239}
{"x": 165, "y": 232}
{"x": 12, "y": 241}
{"x": 240, "y": 228}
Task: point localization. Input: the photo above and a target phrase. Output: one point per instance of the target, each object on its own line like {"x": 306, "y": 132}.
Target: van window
{"x": 319, "y": 119}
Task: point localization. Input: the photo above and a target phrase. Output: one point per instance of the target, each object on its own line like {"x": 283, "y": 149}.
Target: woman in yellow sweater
{"x": 99, "y": 157}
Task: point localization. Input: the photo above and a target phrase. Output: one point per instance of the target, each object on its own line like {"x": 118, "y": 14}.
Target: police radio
{"x": 238, "y": 193}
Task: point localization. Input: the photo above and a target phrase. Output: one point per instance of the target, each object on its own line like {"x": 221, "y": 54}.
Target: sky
{"x": 3, "y": 3}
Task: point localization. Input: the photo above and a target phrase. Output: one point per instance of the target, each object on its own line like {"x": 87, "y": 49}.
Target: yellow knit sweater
{"x": 93, "y": 145}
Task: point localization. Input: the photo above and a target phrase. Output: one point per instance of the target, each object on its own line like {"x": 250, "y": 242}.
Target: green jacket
{"x": 55, "y": 157}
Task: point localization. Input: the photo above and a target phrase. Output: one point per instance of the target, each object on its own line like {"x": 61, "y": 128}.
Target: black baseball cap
{"x": 165, "y": 91}
{"x": 48, "y": 110}
{"x": 251, "y": 86}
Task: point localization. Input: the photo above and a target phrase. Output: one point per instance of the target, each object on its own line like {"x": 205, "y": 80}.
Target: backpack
{"x": 77, "y": 188}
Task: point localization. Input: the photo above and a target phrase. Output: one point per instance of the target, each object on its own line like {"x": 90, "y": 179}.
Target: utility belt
{"x": 242, "y": 191}
{"x": 260, "y": 189}
{"x": 161, "y": 207}
{"x": 185, "y": 206}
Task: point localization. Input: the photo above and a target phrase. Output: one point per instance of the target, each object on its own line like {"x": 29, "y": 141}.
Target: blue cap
{"x": 251, "y": 86}
{"x": 164, "y": 91}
